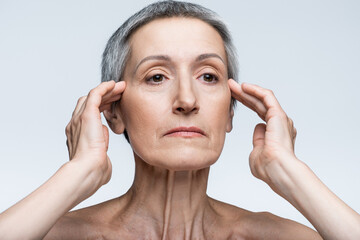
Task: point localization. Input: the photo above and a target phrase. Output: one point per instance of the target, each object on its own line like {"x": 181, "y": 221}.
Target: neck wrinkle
{"x": 174, "y": 201}
{"x": 167, "y": 212}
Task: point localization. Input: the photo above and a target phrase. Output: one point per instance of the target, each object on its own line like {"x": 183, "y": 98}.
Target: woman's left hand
{"x": 274, "y": 141}
{"x": 273, "y": 160}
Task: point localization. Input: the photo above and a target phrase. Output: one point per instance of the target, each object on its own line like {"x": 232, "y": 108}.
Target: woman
{"x": 174, "y": 103}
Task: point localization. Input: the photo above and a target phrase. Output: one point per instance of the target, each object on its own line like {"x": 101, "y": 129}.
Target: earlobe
{"x": 114, "y": 120}
{"x": 229, "y": 124}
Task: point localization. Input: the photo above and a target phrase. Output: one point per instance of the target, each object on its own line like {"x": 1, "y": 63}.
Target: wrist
{"x": 284, "y": 175}
{"x": 86, "y": 178}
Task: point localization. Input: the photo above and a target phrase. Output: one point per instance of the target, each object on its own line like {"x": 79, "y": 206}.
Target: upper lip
{"x": 186, "y": 129}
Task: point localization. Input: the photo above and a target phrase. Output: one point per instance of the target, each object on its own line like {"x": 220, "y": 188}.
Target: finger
{"x": 294, "y": 137}
{"x": 258, "y": 143}
{"x": 69, "y": 148}
{"x": 269, "y": 100}
{"x": 82, "y": 101}
{"x": 111, "y": 99}
{"x": 105, "y": 107}
{"x": 249, "y": 101}
{"x": 265, "y": 95}
{"x": 291, "y": 127}
{"x": 79, "y": 104}
{"x": 113, "y": 95}
{"x": 254, "y": 104}
{"x": 104, "y": 92}
{"x": 259, "y": 135}
{"x": 68, "y": 139}
{"x": 95, "y": 99}
{"x": 74, "y": 136}
{"x": 106, "y": 136}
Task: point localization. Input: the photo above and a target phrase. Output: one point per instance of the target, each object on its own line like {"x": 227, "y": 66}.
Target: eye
{"x": 209, "y": 78}
{"x": 155, "y": 79}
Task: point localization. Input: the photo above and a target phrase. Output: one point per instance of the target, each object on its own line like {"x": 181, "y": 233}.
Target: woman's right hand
{"x": 87, "y": 137}
{"x": 88, "y": 170}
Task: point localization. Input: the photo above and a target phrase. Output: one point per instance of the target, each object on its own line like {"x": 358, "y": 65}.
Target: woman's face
{"x": 176, "y": 105}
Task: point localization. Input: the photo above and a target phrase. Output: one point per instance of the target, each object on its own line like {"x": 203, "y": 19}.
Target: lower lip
{"x": 185, "y": 134}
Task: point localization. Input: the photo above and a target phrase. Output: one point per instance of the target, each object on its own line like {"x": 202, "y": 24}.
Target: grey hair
{"x": 117, "y": 50}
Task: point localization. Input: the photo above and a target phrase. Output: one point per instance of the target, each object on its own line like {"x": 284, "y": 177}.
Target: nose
{"x": 185, "y": 101}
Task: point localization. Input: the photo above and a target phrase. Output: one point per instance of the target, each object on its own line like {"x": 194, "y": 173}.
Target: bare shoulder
{"x": 66, "y": 228}
{"x": 85, "y": 223}
{"x": 262, "y": 225}
{"x": 275, "y": 227}
{"x": 73, "y": 225}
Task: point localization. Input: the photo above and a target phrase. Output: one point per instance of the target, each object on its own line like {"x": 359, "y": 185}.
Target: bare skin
{"x": 173, "y": 205}
{"x": 168, "y": 197}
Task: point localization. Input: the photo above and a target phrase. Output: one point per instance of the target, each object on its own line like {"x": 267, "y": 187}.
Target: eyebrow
{"x": 200, "y": 58}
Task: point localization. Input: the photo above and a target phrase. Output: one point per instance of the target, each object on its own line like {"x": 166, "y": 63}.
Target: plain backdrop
{"x": 307, "y": 52}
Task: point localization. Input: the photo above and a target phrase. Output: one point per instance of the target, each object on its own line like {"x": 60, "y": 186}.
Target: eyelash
{"x": 215, "y": 78}
{"x": 150, "y": 80}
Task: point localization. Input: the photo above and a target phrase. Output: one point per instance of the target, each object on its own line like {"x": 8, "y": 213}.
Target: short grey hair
{"x": 117, "y": 50}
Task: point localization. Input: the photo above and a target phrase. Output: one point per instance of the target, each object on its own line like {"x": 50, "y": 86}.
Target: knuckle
{"x": 253, "y": 172}
{"x": 283, "y": 114}
{"x": 253, "y": 168}
{"x": 269, "y": 92}
{"x": 92, "y": 92}
{"x": 283, "y": 117}
{"x": 67, "y": 129}
{"x": 291, "y": 122}
{"x": 75, "y": 120}
{"x": 81, "y": 99}
{"x": 268, "y": 97}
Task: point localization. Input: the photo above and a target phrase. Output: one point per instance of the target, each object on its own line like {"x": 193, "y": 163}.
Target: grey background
{"x": 307, "y": 52}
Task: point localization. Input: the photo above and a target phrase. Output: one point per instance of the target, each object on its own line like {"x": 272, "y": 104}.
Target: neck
{"x": 175, "y": 202}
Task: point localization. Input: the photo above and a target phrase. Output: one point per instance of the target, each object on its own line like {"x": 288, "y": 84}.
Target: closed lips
{"x": 185, "y": 130}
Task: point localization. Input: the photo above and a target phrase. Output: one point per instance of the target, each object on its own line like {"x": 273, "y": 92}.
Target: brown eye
{"x": 156, "y": 79}
{"x": 210, "y": 78}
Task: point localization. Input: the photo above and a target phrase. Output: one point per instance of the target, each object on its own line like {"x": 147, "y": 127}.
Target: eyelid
{"x": 153, "y": 71}
{"x": 209, "y": 70}
{"x": 149, "y": 66}
{"x": 151, "y": 82}
{"x": 216, "y": 78}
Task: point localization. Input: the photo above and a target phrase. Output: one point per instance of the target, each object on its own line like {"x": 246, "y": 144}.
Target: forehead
{"x": 180, "y": 38}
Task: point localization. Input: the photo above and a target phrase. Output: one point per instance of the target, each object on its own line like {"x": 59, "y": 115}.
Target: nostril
{"x": 180, "y": 109}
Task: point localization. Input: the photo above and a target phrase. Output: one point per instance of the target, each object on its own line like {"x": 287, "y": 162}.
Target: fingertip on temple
{"x": 233, "y": 83}
{"x": 121, "y": 85}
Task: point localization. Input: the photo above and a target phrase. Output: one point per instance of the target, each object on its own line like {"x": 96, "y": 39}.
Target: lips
{"x": 186, "y": 132}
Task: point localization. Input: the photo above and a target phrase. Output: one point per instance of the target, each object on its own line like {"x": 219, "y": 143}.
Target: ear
{"x": 229, "y": 124}
{"x": 114, "y": 119}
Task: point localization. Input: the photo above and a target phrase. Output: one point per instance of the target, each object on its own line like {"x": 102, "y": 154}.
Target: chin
{"x": 185, "y": 159}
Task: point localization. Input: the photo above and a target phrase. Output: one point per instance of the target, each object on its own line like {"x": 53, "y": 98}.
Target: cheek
{"x": 142, "y": 115}
{"x": 136, "y": 112}
{"x": 216, "y": 113}
{"x": 219, "y": 110}
{"x": 217, "y": 103}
